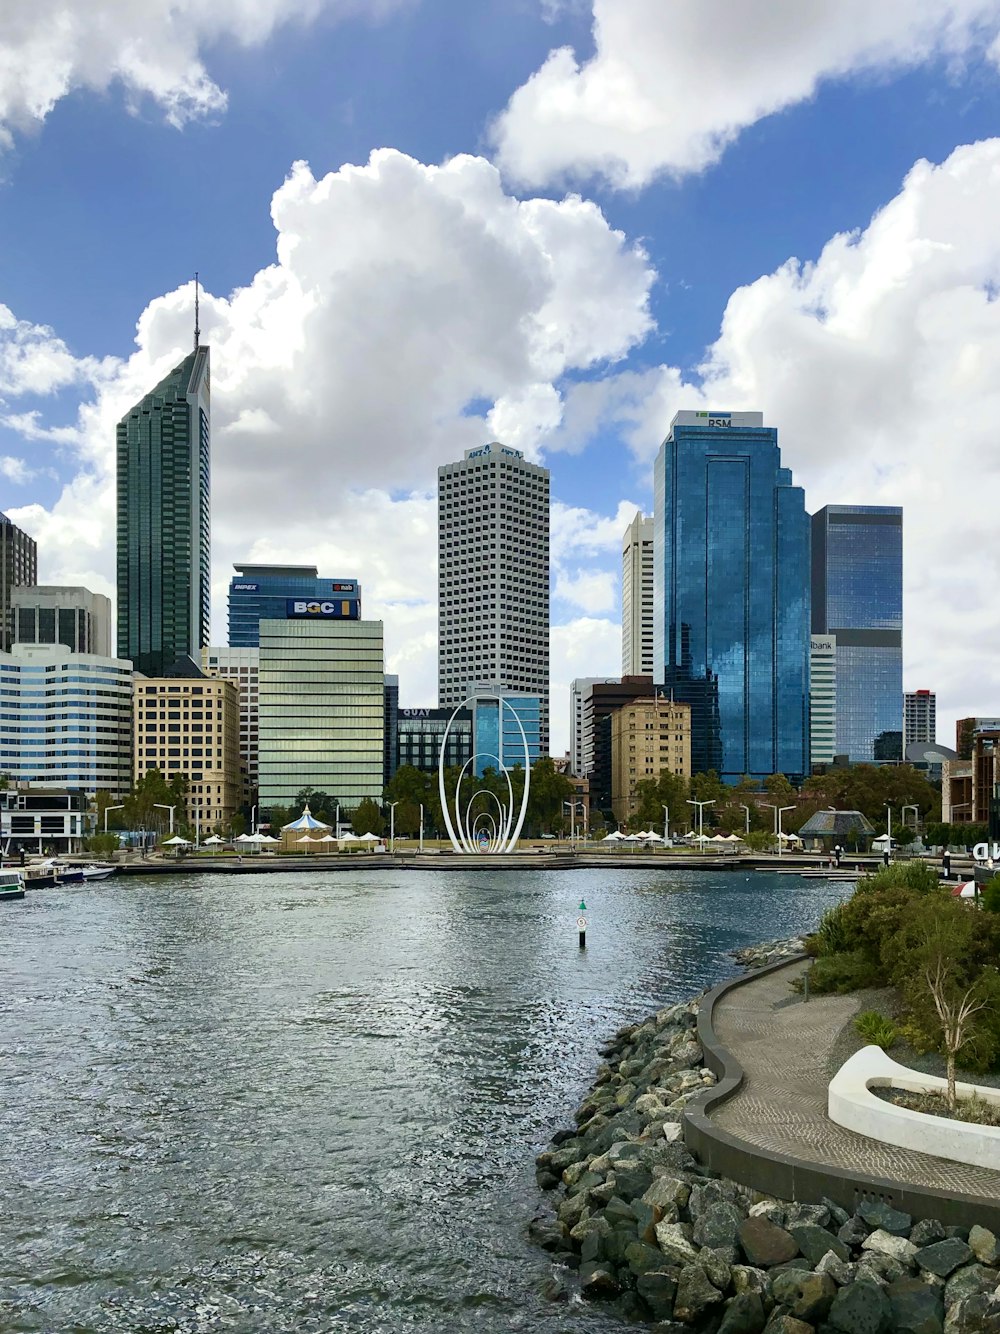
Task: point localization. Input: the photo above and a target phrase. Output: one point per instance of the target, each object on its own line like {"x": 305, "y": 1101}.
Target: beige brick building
{"x": 191, "y": 726}
{"x": 647, "y": 736}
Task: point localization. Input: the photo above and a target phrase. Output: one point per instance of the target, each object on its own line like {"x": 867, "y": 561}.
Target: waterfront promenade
{"x": 783, "y": 1044}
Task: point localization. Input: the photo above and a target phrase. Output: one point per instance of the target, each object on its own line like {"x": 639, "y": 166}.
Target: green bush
{"x": 834, "y": 935}
{"x": 916, "y": 875}
{"x": 842, "y": 973}
{"x": 875, "y": 1028}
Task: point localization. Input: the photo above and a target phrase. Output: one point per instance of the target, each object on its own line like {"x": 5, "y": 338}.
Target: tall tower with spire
{"x": 164, "y": 518}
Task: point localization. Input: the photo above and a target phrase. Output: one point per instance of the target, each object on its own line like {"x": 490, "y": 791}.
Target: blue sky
{"x": 569, "y": 287}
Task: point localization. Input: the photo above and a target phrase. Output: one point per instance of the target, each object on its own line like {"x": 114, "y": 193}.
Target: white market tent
{"x": 176, "y": 842}
{"x": 368, "y": 838}
{"x": 616, "y": 836}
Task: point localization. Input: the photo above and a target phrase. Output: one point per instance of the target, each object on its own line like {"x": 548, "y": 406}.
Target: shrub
{"x": 842, "y": 973}
{"x": 834, "y": 935}
{"x": 916, "y": 875}
{"x": 876, "y": 1028}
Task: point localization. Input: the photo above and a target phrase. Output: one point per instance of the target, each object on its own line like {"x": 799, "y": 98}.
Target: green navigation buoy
{"x": 583, "y": 906}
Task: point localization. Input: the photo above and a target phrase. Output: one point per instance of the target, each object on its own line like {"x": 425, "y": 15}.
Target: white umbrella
{"x": 368, "y": 838}
{"x": 267, "y": 838}
{"x": 306, "y": 839}
{"x": 615, "y": 836}
{"x": 214, "y": 838}
{"x": 327, "y": 838}
{"x": 244, "y": 838}
{"x": 348, "y": 838}
{"x": 177, "y": 842}
{"x": 718, "y": 838}
{"x": 733, "y": 838}
{"x": 653, "y": 837}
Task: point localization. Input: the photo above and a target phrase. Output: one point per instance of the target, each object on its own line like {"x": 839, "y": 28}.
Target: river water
{"x": 312, "y": 1102}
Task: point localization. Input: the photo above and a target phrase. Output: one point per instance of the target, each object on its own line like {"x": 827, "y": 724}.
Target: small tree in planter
{"x": 950, "y": 993}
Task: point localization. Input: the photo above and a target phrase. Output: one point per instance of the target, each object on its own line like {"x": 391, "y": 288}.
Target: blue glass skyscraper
{"x": 731, "y": 594}
{"x": 283, "y": 592}
{"x": 857, "y": 597}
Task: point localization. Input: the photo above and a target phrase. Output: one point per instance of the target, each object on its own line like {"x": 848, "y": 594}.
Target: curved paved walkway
{"x": 781, "y": 1105}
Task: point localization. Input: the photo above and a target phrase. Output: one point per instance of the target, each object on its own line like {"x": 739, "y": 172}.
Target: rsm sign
{"x": 295, "y": 610}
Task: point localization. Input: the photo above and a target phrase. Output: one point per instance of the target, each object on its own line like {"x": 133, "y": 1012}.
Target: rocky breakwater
{"x": 641, "y": 1226}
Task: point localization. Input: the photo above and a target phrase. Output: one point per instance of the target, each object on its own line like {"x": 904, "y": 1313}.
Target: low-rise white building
{"x": 66, "y": 719}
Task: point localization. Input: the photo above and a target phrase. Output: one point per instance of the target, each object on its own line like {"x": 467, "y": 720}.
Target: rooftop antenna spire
{"x": 197, "y": 331}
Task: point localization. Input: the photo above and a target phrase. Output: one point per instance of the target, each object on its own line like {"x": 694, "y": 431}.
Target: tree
{"x": 937, "y": 955}
{"x": 367, "y": 819}
{"x": 778, "y": 786}
{"x": 150, "y": 792}
{"x": 320, "y": 803}
{"x": 103, "y": 844}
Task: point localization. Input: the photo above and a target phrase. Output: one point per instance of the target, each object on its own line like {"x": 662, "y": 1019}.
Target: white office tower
{"x": 66, "y": 719}
{"x": 822, "y": 699}
{"x": 581, "y": 740}
{"x": 493, "y": 577}
{"x": 242, "y": 667}
{"x": 919, "y": 717}
{"x": 637, "y": 597}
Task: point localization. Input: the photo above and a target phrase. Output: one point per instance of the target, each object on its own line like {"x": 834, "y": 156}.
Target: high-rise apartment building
{"x": 731, "y": 603}
{"x": 242, "y": 667}
{"x": 321, "y": 710}
{"x": 74, "y": 617}
{"x": 637, "y": 597}
{"x": 857, "y": 596}
{"x": 919, "y": 717}
{"x": 190, "y": 725}
{"x": 600, "y": 701}
{"x": 66, "y": 719}
{"x": 822, "y": 699}
{"x": 493, "y": 577}
{"x": 280, "y": 592}
{"x": 648, "y": 736}
{"x": 390, "y": 728}
{"x": 581, "y": 740}
{"x": 18, "y": 566}
{"x": 164, "y": 521}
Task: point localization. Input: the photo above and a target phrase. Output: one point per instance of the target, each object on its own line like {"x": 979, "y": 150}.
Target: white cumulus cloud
{"x": 152, "y": 48}
{"x": 878, "y": 364}
{"x": 670, "y": 85}
{"x": 412, "y": 311}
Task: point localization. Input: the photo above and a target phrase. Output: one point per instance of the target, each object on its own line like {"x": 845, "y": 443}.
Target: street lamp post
{"x": 911, "y": 806}
{"x": 747, "y": 809}
{"x": 778, "y": 813}
{"x": 110, "y": 808}
{"x": 253, "y": 820}
{"x": 666, "y": 824}
{"x": 888, "y": 807}
{"x": 572, "y": 820}
{"x": 392, "y": 825}
{"x": 421, "y": 826}
{"x": 701, "y": 817}
{"x": 163, "y": 807}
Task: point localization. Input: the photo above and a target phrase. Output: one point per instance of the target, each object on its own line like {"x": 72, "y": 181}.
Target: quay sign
{"x": 985, "y": 852}
{"x": 342, "y": 610}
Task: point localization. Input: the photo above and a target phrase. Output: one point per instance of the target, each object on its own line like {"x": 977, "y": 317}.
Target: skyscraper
{"x": 731, "y": 600}
{"x": 18, "y": 565}
{"x": 264, "y": 592}
{"x": 493, "y": 577}
{"x": 164, "y": 525}
{"x": 857, "y": 596}
{"x": 637, "y": 597}
{"x": 919, "y": 717}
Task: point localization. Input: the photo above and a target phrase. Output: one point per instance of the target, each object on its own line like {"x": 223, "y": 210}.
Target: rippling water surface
{"x": 312, "y": 1102}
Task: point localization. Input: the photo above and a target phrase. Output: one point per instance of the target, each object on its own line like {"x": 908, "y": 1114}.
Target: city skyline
{"x": 563, "y": 288}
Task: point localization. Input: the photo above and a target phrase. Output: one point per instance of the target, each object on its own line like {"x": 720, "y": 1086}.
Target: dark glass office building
{"x": 164, "y": 521}
{"x": 286, "y": 592}
{"x": 857, "y": 596}
{"x": 419, "y": 738}
{"x": 731, "y": 594}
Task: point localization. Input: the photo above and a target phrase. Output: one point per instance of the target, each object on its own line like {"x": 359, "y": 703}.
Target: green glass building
{"x": 164, "y": 520}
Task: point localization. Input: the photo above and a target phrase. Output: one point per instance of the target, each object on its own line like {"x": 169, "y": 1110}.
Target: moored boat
{"x": 11, "y": 884}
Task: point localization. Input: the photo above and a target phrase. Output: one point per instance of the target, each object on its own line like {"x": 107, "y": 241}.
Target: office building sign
{"x": 245, "y": 588}
{"x": 345, "y": 587}
{"x": 342, "y": 609}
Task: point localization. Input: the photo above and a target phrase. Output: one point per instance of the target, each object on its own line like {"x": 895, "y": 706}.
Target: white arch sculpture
{"x": 501, "y": 834}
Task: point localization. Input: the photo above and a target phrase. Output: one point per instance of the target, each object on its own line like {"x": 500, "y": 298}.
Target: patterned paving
{"x": 784, "y": 1049}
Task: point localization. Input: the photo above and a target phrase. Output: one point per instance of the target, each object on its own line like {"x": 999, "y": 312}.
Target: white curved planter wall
{"x": 850, "y": 1104}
